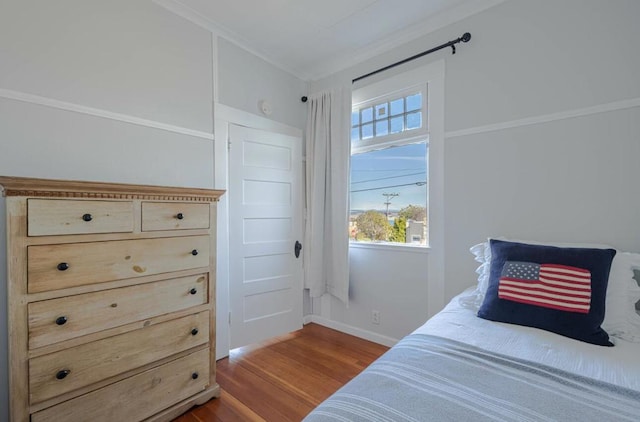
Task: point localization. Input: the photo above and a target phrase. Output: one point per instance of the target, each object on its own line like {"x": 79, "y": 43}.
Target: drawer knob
{"x": 180, "y": 216}
{"x": 193, "y": 291}
{"x": 62, "y": 374}
{"x": 194, "y": 252}
{"x": 63, "y": 266}
{"x": 61, "y": 320}
{"x": 194, "y": 376}
{"x": 194, "y": 331}
{"x": 87, "y": 217}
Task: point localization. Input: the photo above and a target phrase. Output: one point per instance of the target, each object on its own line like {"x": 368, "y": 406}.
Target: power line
{"x": 387, "y": 187}
{"x": 389, "y": 196}
{"x": 390, "y": 177}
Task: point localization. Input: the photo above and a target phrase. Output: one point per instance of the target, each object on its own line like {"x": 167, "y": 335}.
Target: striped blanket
{"x": 428, "y": 378}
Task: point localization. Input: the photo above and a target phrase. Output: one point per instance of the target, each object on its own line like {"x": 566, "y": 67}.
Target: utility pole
{"x": 388, "y": 197}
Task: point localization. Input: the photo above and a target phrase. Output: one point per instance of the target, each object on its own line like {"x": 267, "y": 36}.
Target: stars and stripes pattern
{"x": 548, "y": 285}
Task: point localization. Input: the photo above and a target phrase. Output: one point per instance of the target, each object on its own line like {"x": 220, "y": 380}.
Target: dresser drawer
{"x": 61, "y": 217}
{"x": 67, "y": 370}
{"x": 174, "y": 216}
{"x": 138, "y": 397}
{"x": 56, "y": 320}
{"x": 52, "y": 267}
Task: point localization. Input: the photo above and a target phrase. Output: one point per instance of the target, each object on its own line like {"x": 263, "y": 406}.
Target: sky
{"x": 377, "y": 172}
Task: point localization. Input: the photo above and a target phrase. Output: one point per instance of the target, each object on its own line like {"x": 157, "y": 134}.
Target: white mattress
{"x": 618, "y": 365}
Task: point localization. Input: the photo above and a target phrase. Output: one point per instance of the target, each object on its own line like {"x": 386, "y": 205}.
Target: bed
{"x": 461, "y": 367}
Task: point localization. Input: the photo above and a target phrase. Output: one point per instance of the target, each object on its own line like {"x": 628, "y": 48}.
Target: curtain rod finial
{"x": 304, "y": 99}
{"x": 465, "y": 37}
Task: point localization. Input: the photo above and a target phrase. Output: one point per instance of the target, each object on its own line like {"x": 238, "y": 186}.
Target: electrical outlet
{"x": 375, "y": 317}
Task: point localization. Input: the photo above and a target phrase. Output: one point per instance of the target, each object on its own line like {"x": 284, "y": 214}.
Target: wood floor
{"x": 284, "y": 378}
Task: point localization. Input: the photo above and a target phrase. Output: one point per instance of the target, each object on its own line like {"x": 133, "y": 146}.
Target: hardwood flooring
{"x": 284, "y": 378}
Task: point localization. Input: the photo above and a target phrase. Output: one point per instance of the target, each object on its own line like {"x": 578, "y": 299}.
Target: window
{"x": 388, "y": 188}
{"x": 385, "y": 120}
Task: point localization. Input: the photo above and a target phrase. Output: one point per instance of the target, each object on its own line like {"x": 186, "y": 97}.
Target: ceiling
{"x": 314, "y": 38}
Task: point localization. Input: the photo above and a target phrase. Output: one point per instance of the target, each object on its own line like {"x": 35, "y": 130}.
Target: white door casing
{"x": 265, "y": 221}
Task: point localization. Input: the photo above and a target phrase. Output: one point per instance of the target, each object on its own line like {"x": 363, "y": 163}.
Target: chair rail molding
{"x": 546, "y": 118}
{"x": 97, "y": 112}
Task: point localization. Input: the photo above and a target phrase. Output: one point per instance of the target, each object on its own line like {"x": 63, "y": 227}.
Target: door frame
{"x": 223, "y": 117}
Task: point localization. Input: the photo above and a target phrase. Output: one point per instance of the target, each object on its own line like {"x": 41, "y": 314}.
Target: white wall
{"x": 379, "y": 281}
{"x": 132, "y": 59}
{"x": 567, "y": 180}
{"x": 135, "y": 58}
{"x": 114, "y": 91}
{"x": 533, "y": 59}
{"x": 40, "y": 141}
{"x": 510, "y": 94}
{"x": 246, "y": 79}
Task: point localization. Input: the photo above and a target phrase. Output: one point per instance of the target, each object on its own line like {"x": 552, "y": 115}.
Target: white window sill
{"x": 395, "y": 247}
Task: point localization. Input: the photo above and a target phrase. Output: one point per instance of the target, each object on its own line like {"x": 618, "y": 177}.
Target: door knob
{"x": 297, "y": 248}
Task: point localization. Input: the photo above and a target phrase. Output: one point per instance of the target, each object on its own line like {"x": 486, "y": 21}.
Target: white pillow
{"x": 482, "y": 253}
{"x": 621, "y": 319}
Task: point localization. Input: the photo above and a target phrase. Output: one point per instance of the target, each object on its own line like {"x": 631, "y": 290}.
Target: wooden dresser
{"x": 111, "y": 300}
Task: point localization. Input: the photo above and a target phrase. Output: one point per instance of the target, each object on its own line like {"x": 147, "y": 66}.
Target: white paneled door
{"x": 265, "y": 224}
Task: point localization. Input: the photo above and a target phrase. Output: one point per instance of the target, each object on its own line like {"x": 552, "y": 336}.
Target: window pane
{"x": 397, "y": 106}
{"x": 397, "y": 124}
{"x": 382, "y": 111}
{"x": 355, "y": 118}
{"x": 414, "y": 102}
{"x": 367, "y": 131}
{"x": 355, "y": 133}
{"x": 367, "y": 114}
{"x": 388, "y": 194}
{"x": 414, "y": 120}
{"x": 382, "y": 127}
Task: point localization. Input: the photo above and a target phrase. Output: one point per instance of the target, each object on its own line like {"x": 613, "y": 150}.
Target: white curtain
{"x": 328, "y": 152}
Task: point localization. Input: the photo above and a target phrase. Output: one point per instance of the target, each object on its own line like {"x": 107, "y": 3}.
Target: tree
{"x": 399, "y": 233}
{"x": 413, "y": 212}
{"x": 373, "y": 225}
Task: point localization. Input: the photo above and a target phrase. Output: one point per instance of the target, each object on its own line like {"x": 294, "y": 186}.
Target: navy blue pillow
{"x": 561, "y": 290}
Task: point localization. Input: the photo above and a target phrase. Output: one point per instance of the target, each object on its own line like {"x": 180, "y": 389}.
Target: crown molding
{"x": 344, "y": 61}
{"x": 402, "y": 37}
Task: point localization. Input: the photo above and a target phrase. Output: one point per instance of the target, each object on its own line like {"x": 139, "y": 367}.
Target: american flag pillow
{"x": 561, "y": 290}
{"x": 554, "y": 286}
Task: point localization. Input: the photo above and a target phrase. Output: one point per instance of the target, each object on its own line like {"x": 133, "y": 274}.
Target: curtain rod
{"x": 464, "y": 38}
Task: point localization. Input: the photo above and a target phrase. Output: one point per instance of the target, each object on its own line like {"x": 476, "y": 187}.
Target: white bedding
{"x": 619, "y": 365}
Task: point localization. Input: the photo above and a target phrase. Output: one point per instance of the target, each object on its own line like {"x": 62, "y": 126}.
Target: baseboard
{"x": 349, "y": 329}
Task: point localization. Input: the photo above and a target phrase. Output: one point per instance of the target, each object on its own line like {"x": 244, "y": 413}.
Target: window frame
{"x": 363, "y": 99}
{"x": 393, "y": 139}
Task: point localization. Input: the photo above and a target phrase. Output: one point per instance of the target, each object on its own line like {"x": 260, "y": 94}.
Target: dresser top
{"x": 50, "y": 188}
